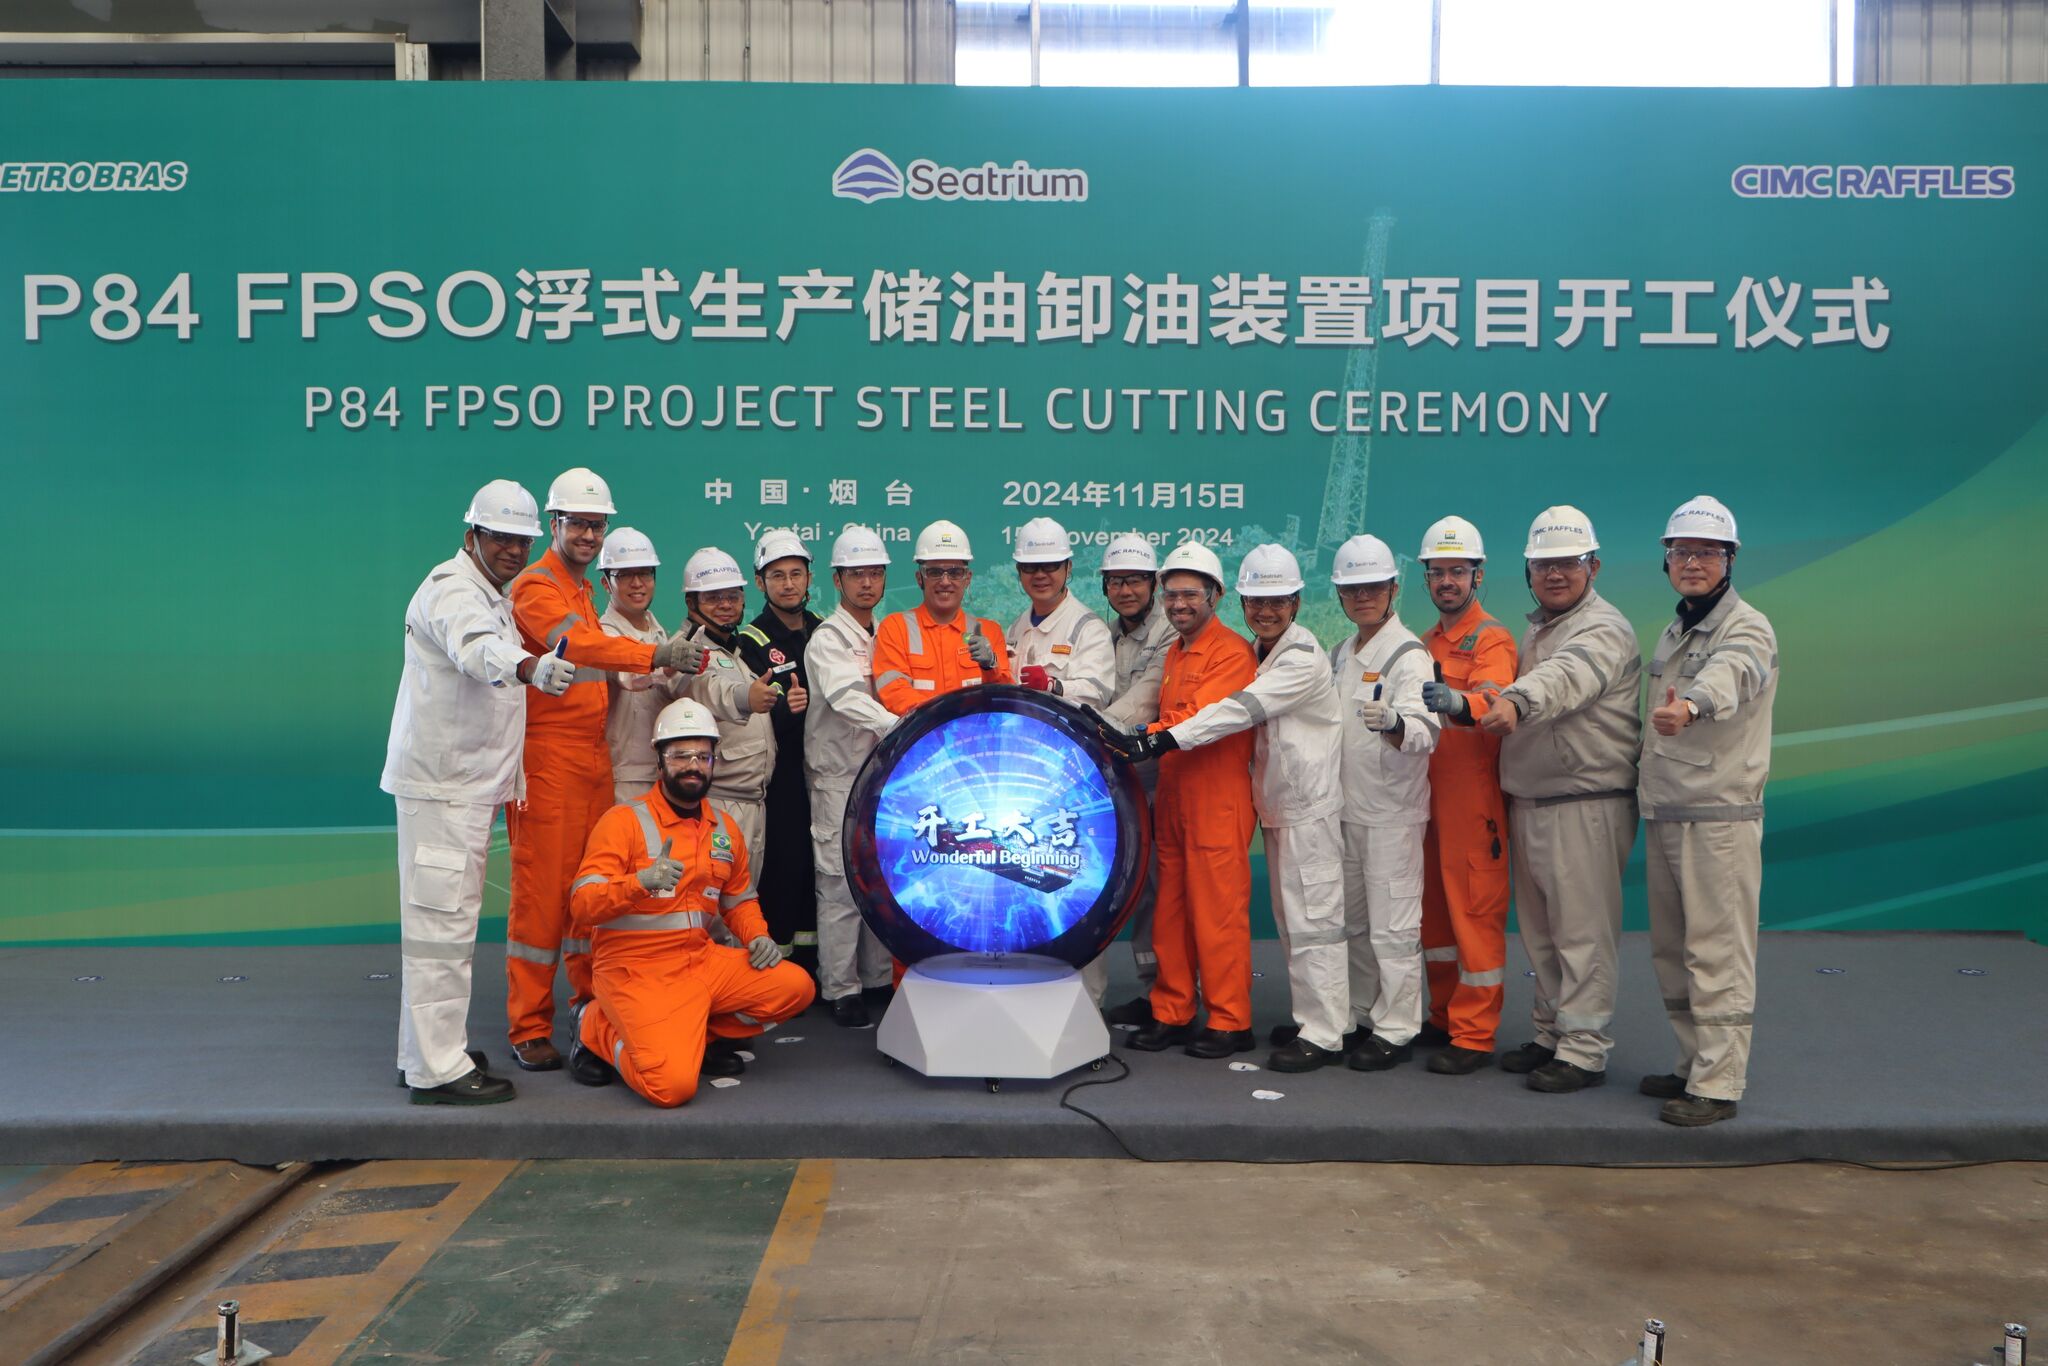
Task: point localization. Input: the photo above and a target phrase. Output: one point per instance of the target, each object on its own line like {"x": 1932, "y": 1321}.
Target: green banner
{"x": 261, "y": 341}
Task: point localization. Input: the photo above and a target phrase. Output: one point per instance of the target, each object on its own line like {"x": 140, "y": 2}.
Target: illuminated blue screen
{"x": 995, "y": 832}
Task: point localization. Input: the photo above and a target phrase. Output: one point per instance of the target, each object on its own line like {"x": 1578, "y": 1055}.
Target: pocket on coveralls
{"x": 437, "y": 877}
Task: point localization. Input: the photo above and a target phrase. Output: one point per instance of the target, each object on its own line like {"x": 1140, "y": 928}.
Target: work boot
{"x": 720, "y": 1064}
{"x": 1527, "y": 1058}
{"x": 729, "y": 1048}
{"x": 1558, "y": 1077}
{"x": 879, "y": 997}
{"x": 537, "y": 1055}
{"x": 483, "y": 1064}
{"x": 1690, "y": 1111}
{"x": 1288, "y": 1033}
{"x": 1374, "y": 1054}
{"x": 1136, "y": 1011}
{"x": 586, "y": 1068}
{"x": 1453, "y": 1061}
{"x": 851, "y": 1012}
{"x": 1221, "y": 1043}
{"x": 1158, "y": 1036}
{"x": 1669, "y": 1086}
{"x": 471, "y": 1088}
{"x": 1299, "y": 1055}
{"x": 1429, "y": 1036}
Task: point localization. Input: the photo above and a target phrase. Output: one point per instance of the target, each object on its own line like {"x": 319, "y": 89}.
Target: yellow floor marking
{"x": 346, "y": 1305}
{"x": 91, "y": 1178}
{"x": 757, "y": 1341}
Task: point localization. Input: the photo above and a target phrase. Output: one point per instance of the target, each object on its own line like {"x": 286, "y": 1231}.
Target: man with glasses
{"x": 1713, "y": 679}
{"x": 1130, "y": 576}
{"x": 1569, "y": 730}
{"x": 1464, "y": 855}
{"x": 938, "y": 647}
{"x": 626, "y": 567}
{"x": 715, "y": 593}
{"x": 841, "y": 728}
{"x": 456, "y": 732}
{"x": 568, "y": 764}
{"x": 657, "y": 873}
{"x": 1057, "y": 645}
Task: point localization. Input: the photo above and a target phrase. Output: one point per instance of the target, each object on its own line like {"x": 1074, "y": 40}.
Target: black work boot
{"x": 720, "y": 1063}
{"x": 1429, "y": 1036}
{"x": 1527, "y": 1058}
{"x": 1374, "y": 1054}
{"x": 1136, "y": 1011}
{"x": 1221, "y": 1043}
{"x": 1157, "y": 1037}
{"x": 483, "y": 1064}
{"x": 1453, "y": 1061}
{"x": 850, "y": 1012}
{"x": 1299, "y": 1055}
{"x": 1669, "y": 1086}
{"x": 471, "y": 1088}
{"x": 1559, "y": 1078}
{"x": 1690, "y": 1111}
{"x": 1288, "y": 1033}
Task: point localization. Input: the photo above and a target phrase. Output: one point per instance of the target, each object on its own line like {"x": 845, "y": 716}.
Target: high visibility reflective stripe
{"x": 745, "y": 1018}
{"x": 913, "y": 636}
{"x": 732, "y": 899}
{"x": 562, "y": 628}
{"x": 1578, "y": 797}
{"x": 1753, "y": 811}
{"x": 1447, "y": 954}
{"x": 618, "y": 1047}
{"x": 1074, "y": 636}
{"x": 669, "y": 920}
{"x": 1481, "y": 979}
{"x": 589, "y": 880}
{"x": 1148, "y": 959}
{"x": 893, "y": 676}
{"x": 587, "y": 676}
{"x": 1251, "y": 704}
{"x": 1405, "y": 647}
{"x": 1396, "y": 948}
{"x": 1583, "y": 1024}
{"x": 806, "y": 937}
{"x": 1739, "y": 1019}
{"x": 1583, "y": 653}
{"x": 1310, "y": 939}
{"x": 925, "y": 684}
{"x": 1741, "y": 648}
{"x": 1435, "y": 727}
{"x": 855, "y": 686}
{"x": 529, "y": 954}
{"x": 649, "y": 831}
{"x": 424, "y": 948}
{"x": 575, "y": 946}
{"x": 1677, "y": 1006}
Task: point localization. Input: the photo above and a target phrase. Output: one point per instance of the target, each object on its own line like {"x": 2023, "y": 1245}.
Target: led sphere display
{"x": 991, "y": 820}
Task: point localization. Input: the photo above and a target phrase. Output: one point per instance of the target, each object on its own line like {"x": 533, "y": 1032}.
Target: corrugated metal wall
{"x": 874, "y": 41}
{"x": 1951, "y": 42}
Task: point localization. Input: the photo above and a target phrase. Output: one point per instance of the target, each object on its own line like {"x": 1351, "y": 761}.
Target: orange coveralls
{"x": 1464, "y": 856}
{"x": 1202, "y": 820}
{"x": 568, "y": 786}
{"x": 917, "y": 659}
{"x": 660, "y": 982}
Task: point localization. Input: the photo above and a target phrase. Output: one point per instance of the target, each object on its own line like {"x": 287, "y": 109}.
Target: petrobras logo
{"x": 86, "y": 177}
{"x": 869, "y": 175}
{"x": 1872, "y": 182}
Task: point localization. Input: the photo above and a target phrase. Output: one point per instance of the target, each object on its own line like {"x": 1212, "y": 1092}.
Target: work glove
{"x": 1035, "y": 676}
{"x": 661, "y": 876}
{"x": 763, "y": 952}
{"x": 1378, "y": 715}
{"x": 681, "y": 653}
{"x": 980, "y": 651}
{"x": 1440, "y": 697}
{"x": 552, "y": 673}
{"x": 1136, "y": 746}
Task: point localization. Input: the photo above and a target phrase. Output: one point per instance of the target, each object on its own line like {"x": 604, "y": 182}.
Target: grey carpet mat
{"x": 1871, "y": 1048}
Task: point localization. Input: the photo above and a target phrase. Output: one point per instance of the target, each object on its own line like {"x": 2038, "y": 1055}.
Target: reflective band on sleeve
{"x": 924, "y": 684}
{"x": 1145, "y": 959}
{"x": 422, "y": 948}
{"x": 1741, "y": 648}
{"x": 1677, "y": 1006}
{"x": 1736, "y": 1019}
{"x": 576, "y": 946}
{"x": 527, "y": 953}
{"x": 745, "y": 1018}
{"x": 732, "y": 899}
{"x": 1080, "y": 620}
{"x": 1252, "y": 705}
{"x": 1480, "y": 979}
{"x": 669, "y": 920}
{"x": 913, "y": 638}
{"x": 1310, "y": 939}
{"x": 883, "y": 681}
{"x": 806, "y": 938}
{"x": 587, "y": 676}
{"x": 1405, "y": 647}
{"x": 562, "y": 628}
{"x": 1582, "y": 652}
{"x": 843, "y": 689}
{"x": 589, "y": 880}
{"x": 618, "y": 1047}
{"x": 1447, "y": 954}
{"x": 649, "y": 831}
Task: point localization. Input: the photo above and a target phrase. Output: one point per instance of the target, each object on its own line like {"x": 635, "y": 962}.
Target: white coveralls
{"x": 458, "y": 734}
{"x": 746, "y": 739}
{"x": 1385, "y": 815}
{"x": 629, "y": 715}
{"x": 1702, "y": 794}
{"x": 1569, "y": 770}
{"x": 841, "y": 727}
{"x": 1295, "y": 787}
{"x": 1072, "y": 645}
{"x": 1134, "y": 702}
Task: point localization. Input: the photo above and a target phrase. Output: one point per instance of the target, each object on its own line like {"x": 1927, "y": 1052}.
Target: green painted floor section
{"x": 591, "y": 1262}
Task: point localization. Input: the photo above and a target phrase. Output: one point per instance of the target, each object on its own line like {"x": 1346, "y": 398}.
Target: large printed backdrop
{"x": 237, "y": 323}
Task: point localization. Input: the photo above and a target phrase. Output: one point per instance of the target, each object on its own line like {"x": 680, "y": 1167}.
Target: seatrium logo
{"x": 869, "y": 175}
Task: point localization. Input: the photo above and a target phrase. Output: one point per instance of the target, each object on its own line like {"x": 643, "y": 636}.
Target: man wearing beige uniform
{"x": 627, "y": 563}
{"x": 1713, "y": 678}
{"x": 716, "y": 592}
{"x": 1569, "y": 733}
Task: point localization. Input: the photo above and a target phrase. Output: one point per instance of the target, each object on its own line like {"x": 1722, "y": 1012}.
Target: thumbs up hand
{"x": 1674, "y": 716}
{"x": 661, "y": 876}
{"x": 553, "y": 673}
{"x": 1445, "y": 700}
{"x": 1378, "y": 715}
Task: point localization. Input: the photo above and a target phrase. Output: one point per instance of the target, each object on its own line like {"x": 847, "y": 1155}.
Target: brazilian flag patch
{"x": 721, "y": 846}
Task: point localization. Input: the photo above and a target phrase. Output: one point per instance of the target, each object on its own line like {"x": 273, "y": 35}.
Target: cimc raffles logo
{"x": 53, "y": 177}
{"x": 869, "y": 175}
{"x": 1872, "y": 182}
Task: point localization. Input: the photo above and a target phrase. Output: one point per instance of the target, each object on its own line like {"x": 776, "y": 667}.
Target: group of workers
{"x": 664, "y": 789}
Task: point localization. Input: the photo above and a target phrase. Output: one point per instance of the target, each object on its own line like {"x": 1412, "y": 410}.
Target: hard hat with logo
{"x": 942, "y": 541}
{"x": 684, "y": 718}
{"x": 1704, "y": 519}
{"x": 1042, "y": 541}
{"x": 580, "y": 490}
{"x": 711, "y": 569}
{"x": 1129, "y": 553}
{"x": 779, "y": 543}
{"x": 1363, "y": 559}
{"x": 626, "y": 548}
{"x": 1194, "y": 557}
{"x": 857, "y": 547}
{"x": 504, "y": 507}
{"x": 1560, "y": 532}
{"x": 1452, "y": 538}
{"x": 1269, "y": 571}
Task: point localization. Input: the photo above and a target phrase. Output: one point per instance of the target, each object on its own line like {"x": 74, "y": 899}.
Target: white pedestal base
{"x": 993, "y": 1016}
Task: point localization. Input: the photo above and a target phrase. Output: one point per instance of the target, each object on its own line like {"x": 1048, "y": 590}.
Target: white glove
{"x": 980, "y": 651}
{"x": 682, "y": 654}
{"x": 763, "y": 952}
{"x": 553, "y": 674}
{"x": 661, "y": 876}
{"x": 1378, "y": 715}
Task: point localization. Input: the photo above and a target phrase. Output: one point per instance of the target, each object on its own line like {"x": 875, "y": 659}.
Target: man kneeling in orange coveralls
{"x": 655, "y": 874}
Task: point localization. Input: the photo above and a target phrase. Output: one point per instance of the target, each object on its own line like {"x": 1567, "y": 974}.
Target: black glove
{"x": 1136, "y": 746}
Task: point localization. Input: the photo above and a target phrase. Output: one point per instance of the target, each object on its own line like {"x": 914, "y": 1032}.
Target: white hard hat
{"x": 626, "y": 548}
{"x": 711, "y": 569}
{"x": 504, "y": 507}
{"x": 943, "y": 541}
{"x": 1452, "y": 538}
{"x": 1042, "y": 541}
{"x": 1704, "y": 519}
{"x": 1196, "y": 558}
{"x": 684, "y": 718}
{"x": 779, "y": 543}
{"x": 1363, "y": 559}
{"x": 580, "y": 490}
{"x": 1269, "y": 571}
{"x": 1559, "y": 532}
{"x": 858, "y": 546}
{"x": 1129, "y": 553}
